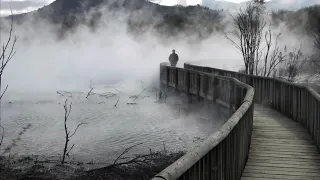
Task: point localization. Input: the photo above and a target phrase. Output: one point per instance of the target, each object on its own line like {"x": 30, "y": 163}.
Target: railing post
{"x": 215, "y": 89}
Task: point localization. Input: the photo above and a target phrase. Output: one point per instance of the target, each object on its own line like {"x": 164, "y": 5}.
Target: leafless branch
{"x": 107, "y": 94}
{"x": 60, "y": 93}
{"x": 89, "y": 93}
{"x": 249, "y": 24}
{"x": 65, "y": 93}
{"x": 131, "y": 103}
{"x": 68, "y": 136}
{"x": 125, "y": 151}
{"x": 70, "y": 150}
{"x": 2, "y": 134}
{"x": 3, "y": 92}
{"x": 6, "y": 54}
{"x": 115, "y": 105}
{"x": 77, "y": 129}
{"x": 294, "y": 63}
{"x": 135, "y": 97}
{"x": 109, "y": 86}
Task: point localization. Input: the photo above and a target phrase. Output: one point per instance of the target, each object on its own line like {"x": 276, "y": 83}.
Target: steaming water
{"x": 107, "y": 56}
{"x": 110, "y": 129}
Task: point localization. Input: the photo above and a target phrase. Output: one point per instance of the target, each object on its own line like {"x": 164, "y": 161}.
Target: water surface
{"x": 109, "y": 129}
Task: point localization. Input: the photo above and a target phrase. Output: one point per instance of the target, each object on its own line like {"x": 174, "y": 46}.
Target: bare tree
{"x": 294, "y": 63}
{"x": 68, "y": 134}
{"x": 249, "y": 24}
{"x": 266, "y": 65}
{"x": 7, "y": 53}
{"x": 316, "y": 63}
{"x": 314, "y": 32}
{"x": 250, "y": 36}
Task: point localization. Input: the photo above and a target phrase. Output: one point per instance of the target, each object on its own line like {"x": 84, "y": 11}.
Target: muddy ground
{"x": 133, "y": 169}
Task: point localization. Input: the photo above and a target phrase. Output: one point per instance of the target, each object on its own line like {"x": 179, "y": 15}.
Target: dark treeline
{"x": 164, "y": 20}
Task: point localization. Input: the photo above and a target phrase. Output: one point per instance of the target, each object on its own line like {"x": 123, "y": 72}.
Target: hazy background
{"x": 108, "y": 56}
{"x": 111, "y": 55}
{"x": 21, "y": 6}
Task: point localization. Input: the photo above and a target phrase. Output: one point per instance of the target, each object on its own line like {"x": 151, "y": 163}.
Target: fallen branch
{"x": 147, "y": 160}
{"x": 113, "y": 86}
{"x": 2, "y": 135}
{"x": 125, "y": 151}
{"x": 131, "y": 103}
{"x": 107, "y": 94}
{"x": 115, "y": 105}
{"x": 60, "y": 93}
{"x": 137, "y": 96}
{"x": 89, "y": 93}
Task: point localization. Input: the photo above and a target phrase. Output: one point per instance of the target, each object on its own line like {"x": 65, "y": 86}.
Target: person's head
{"x": 173, "y": 51}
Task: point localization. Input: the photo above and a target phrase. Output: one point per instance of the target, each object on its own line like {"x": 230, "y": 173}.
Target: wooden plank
{"x": 279, "y": 176}
{"x": 285, "y": 169}
{"x": 276, "y": 178}
{"x": 262, "y": 164}
{"x": 286, "y": 153}
{"x": 275, "y": 148}
{"x": 280, "y": 149}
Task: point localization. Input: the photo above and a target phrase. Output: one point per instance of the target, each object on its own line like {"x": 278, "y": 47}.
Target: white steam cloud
{"x": 111, "y": 55}
{"x": 108, "y": 55}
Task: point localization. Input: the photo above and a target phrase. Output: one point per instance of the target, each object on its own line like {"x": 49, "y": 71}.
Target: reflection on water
{"x": 109, "y": 130}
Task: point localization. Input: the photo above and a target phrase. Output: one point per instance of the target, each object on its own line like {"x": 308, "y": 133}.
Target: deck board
{"x": 280, "y": 149}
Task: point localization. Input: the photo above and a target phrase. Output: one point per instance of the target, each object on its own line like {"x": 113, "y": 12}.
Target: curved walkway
{"x": 280, "y": 149}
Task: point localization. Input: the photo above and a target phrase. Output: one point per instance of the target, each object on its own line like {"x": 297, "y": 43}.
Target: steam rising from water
{"x": 108, "y": 55}
{"x": 43, "y": 65}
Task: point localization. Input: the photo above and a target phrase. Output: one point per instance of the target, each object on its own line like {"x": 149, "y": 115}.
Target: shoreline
{"x": 143, "y": 167}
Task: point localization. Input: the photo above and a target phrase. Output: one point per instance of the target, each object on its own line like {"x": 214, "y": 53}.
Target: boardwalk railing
{"x": 222, "y": 155}
{"x": 300, "y": 103}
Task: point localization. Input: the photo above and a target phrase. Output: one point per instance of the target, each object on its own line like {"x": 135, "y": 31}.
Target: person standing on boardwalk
{"x": 173, "y": 58}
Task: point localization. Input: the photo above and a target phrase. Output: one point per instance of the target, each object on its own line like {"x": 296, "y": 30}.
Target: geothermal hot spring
{"x": 110, "y": 130}
{"x": 111, "y": 62}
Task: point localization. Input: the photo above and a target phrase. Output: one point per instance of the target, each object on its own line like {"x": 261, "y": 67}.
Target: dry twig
{"x": 125, "y": 152}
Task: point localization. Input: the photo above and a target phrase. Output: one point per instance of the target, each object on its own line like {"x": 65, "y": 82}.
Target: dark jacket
{"x": 173, "y": 58}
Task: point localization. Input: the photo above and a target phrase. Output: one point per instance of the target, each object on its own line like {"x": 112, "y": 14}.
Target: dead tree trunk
{"x": 68, "y": 136}
{"x": 7, "y": 53}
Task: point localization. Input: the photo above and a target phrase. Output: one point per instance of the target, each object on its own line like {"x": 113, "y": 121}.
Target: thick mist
{"x": 107, "y": 56}
{"x": 111, "y": 55}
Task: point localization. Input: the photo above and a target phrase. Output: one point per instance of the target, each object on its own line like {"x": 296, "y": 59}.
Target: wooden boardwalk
{"x": 280, "y": 149}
